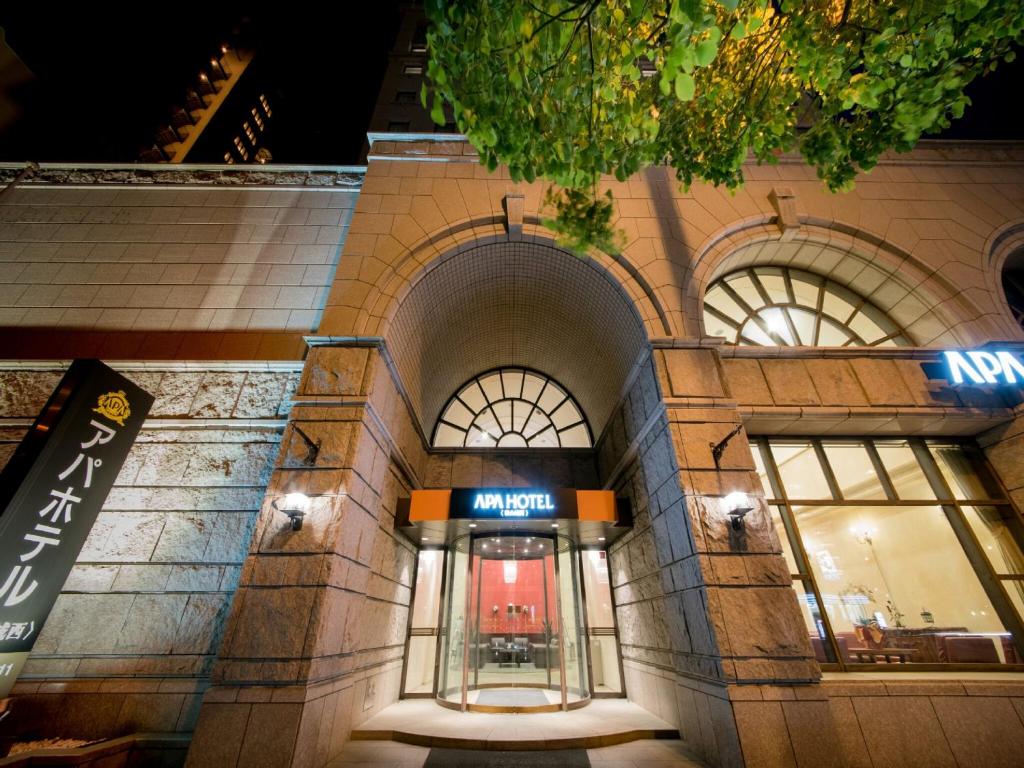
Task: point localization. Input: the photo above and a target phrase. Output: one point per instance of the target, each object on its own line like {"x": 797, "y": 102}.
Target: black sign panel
{"x": 51, "y": 492}
{"x": 512, "y": 504}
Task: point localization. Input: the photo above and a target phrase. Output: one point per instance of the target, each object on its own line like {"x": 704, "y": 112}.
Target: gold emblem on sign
{"x": 114, "y": 405}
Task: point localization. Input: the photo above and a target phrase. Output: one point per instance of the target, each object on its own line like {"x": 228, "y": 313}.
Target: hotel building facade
{"x": 726, "y": 474}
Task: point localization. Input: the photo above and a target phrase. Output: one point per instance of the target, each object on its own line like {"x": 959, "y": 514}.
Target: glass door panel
{"x": 421, "y": 661}
{"x": 512, "y": 636}
{"x": 603, "y": 645}
{"x": 574, "y": 650}
{"x": 515, "y": 611}
{"x": 453, "y": 633}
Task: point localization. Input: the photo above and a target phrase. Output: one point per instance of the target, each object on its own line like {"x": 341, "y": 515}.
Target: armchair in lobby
{"x": 970, "y": 650}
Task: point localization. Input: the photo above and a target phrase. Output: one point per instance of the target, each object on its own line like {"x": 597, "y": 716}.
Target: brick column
{"x": 712, "y": 635}
{"x": 315, "y": 637}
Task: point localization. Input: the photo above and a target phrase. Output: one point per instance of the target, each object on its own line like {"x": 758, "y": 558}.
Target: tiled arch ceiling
{"x": 516, "y": 304}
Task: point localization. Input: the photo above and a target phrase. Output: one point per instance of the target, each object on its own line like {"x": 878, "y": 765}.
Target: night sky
{"x": 103, "y": 84}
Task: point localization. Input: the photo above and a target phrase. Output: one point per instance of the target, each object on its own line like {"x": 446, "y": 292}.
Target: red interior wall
{"x": 527, "y": 590}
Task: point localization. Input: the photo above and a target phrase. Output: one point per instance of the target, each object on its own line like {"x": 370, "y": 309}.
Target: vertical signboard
{"x": 50, "y": 493}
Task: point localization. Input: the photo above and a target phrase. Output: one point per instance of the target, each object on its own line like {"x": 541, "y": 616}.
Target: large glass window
{"x": 901, "y": 552}
{"x": 779, "y": 306}
{"x": 512, "y": 408}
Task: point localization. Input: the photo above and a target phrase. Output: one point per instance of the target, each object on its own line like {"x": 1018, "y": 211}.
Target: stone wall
{"x": 900, "y": 722}
{"x": 856, "y": 391}
{"x": 133, "y": 635}
{"x": 555, "y": 469}
{"x": 705, "y": 612}
{"x": 316, "y": 634}
{"x": 919, "y": 225}
{"x": 180, "y": 265}
{"x": 1004, "y": 449}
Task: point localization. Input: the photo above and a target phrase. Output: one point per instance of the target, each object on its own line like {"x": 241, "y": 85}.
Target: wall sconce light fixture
{"x": 295, "y": 506}
{"x": 737, "y": 505}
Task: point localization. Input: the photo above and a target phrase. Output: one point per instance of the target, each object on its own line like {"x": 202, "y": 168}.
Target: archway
{"x": 524, "y": 304}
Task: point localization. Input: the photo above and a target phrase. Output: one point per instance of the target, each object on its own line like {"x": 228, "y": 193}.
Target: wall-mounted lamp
{"x": 295, "y": 506}
{"x": 737, "y": 505}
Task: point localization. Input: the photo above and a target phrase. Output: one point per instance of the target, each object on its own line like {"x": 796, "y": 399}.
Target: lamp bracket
{"x": 717, "y": 449}
{"x": 312, "y": 449}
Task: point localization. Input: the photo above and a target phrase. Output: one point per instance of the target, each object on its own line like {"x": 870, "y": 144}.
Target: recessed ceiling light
{"x": 472, "y": 525}
{"x": 600, "y": 538}
{"x": 554, "y": 525}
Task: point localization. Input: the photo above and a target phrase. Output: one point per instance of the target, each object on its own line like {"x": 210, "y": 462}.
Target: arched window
{"x": 1013, "y": 285}
{"x": 512, "y": 408}
{"x": 779, "y": 306}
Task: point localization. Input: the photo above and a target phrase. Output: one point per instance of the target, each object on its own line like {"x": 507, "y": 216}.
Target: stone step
{"x": 602, "y": 723}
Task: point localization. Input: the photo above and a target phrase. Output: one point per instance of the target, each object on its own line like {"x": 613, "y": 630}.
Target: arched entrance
{"x": 524, "y": 304}
{"x": 514, "y": 352}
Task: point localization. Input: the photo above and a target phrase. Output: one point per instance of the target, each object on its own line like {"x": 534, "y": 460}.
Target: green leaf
{"x": 437, "y": 111}
{"x": 730, "y": 5}
{"x": 705, "y": 52}
{"x": 906, "y": 60}
{"x": 685, "y": 86}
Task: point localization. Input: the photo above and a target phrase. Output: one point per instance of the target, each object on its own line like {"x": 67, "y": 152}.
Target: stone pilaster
{"x": 712, "y": 636}
{"x": 315, "y": 637}
{"x": 1004, "y": 449}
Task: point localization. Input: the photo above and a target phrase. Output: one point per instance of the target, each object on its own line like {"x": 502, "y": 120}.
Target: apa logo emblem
{"x": 114, "y": 405}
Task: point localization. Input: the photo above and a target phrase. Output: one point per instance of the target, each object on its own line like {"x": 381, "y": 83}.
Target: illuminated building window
{"x": 413, "y": 69}
{"x": 228, "y": 158}
{"x": 257, "y": 118}
{"x": 241, "y": 148}
{"x": 266, "y": 105}
{"x": 901, "y": 551}
{"x": 419, "y": 39}
{"x": 778, "y": 306}
{"x": 512, "y": 408}
{"x": 249, "y": 131}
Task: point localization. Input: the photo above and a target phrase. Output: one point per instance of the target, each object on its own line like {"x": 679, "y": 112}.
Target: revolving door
{"x": 512, "y": 633}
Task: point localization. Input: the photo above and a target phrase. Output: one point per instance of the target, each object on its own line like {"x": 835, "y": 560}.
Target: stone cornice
{"x": 930, "y": 354}
{"x": 427, "y": 147}
{"x": 349, "y": 177}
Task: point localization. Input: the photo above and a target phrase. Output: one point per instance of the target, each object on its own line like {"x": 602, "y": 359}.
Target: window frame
{"x": 535, "y": 404}
{"x": 992, "y": 583}
{"x": 754, "y": 316}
